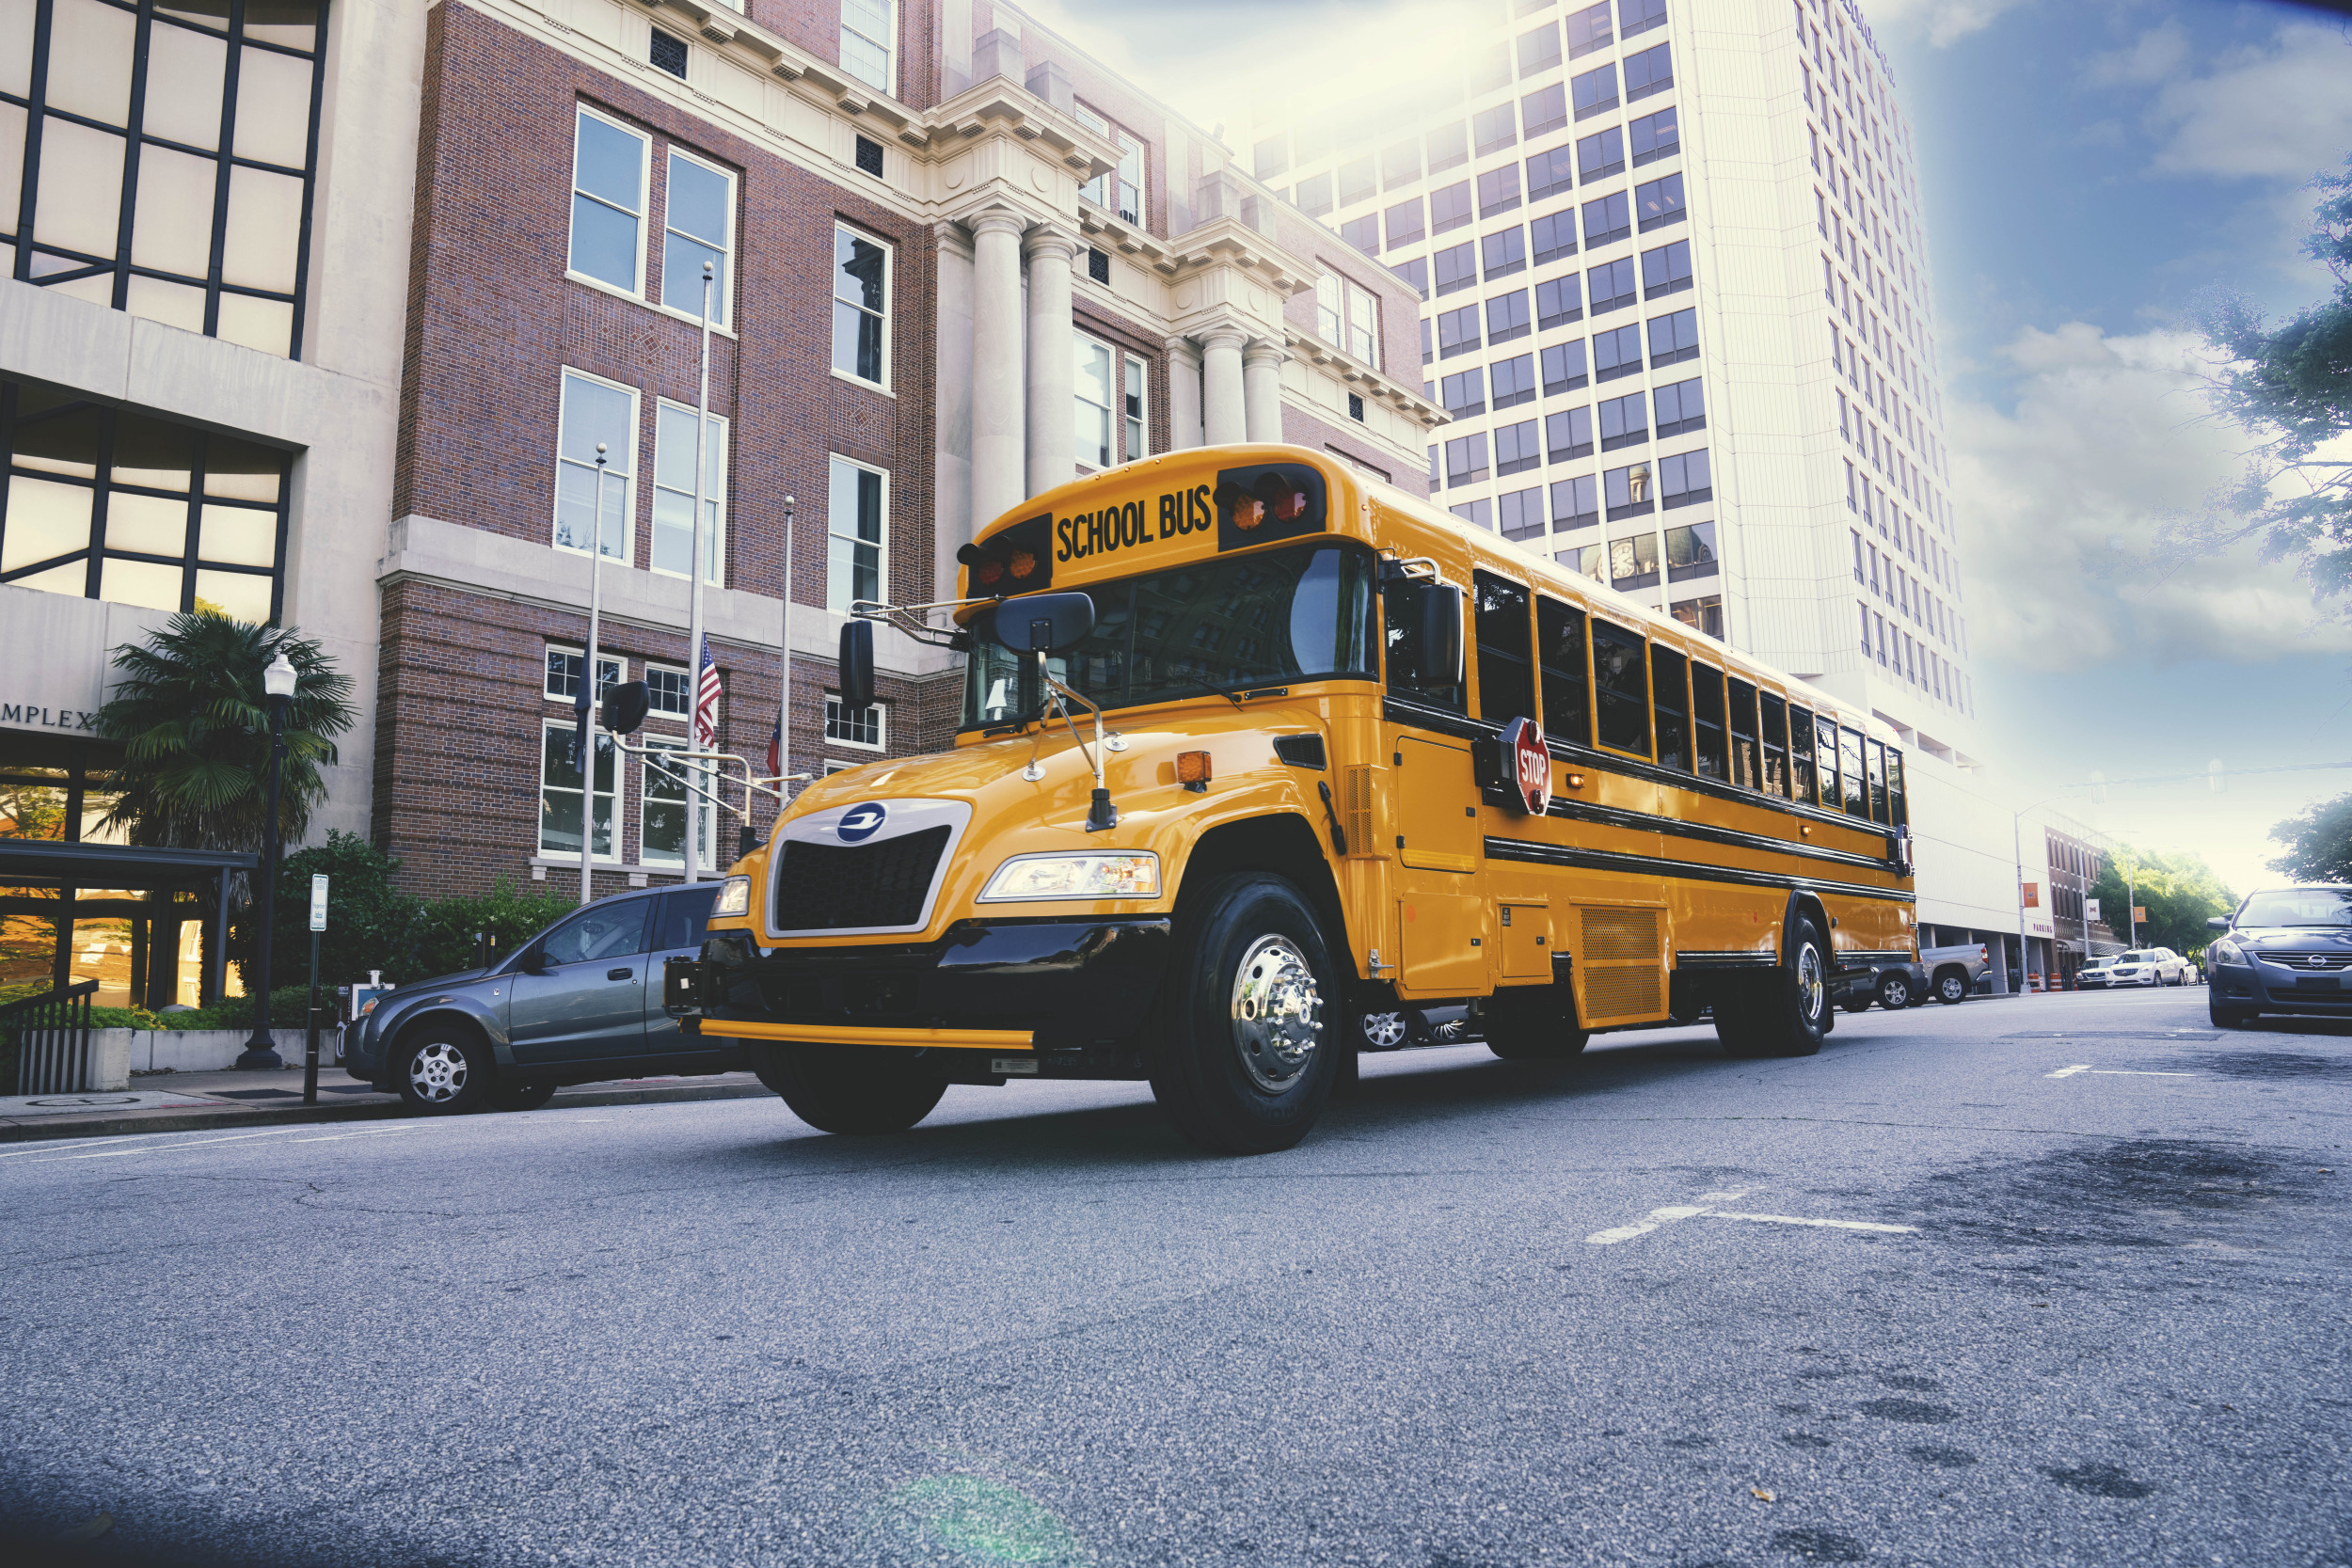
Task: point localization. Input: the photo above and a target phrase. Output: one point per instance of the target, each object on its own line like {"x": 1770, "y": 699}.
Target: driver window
{"x": 614, "y": 930}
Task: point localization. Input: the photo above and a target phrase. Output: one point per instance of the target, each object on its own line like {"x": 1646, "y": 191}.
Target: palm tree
{"x": 194, "y": 723}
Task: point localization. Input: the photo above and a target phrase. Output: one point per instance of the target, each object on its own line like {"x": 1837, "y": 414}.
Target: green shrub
{"x": 370, "y": 922}
{"x": 512, "y": 915}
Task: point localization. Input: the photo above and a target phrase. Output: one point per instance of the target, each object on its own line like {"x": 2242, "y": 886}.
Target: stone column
{"x": 1053, "y": 407}
{"x": 1262, "y": 390}
{"x": 1184, "y": 393}
{"x": 951, "y": 460}
{"x": 998, "y": 462}
{"x": 1222, "y": 423}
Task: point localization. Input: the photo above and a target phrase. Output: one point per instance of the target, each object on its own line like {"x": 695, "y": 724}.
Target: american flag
{"x": 706, "y": 694}
{"x": 775, "y": 746}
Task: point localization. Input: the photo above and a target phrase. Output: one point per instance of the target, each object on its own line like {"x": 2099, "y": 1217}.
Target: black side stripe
{"x": 1687, "y": 871}
{"x": 1675, "y": 827}
{"x": 1686, "y": 960}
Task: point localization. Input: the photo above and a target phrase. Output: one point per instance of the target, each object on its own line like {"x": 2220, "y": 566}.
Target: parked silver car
{"x": 2141, "y": 966}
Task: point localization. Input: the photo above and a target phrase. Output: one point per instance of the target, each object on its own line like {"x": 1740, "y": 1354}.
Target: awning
{"x": 50, "y": 863}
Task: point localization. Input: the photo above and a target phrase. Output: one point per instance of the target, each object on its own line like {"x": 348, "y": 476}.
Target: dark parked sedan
{"x": 2284, "y": 951}
{"x": 578, "y": 1003}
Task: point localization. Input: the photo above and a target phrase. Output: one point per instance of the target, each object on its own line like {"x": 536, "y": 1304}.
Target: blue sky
{"x": 2092, "y": 169}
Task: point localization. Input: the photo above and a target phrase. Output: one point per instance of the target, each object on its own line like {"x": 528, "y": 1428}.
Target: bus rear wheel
{"x": 1786, "y": 1012}
{"x": 855, "y": 1089}
{"x": 1532, "y": 1025}
{"x": 1246, "y": 1056}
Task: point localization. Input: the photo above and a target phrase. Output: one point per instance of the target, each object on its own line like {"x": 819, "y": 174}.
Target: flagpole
{"x": 784, "y": 668}
{"x": 587, "y": 738}
{"x": 694, "y": 594}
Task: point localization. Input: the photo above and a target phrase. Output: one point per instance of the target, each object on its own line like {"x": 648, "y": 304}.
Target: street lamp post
{"x": 278, "y": 680}
{"x": 694, "y": 573}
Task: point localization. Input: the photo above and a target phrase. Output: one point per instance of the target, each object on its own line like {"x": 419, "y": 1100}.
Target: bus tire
{"x": 1247, "y": 1051}
{"x": 1787, "y": 1012}
{"x": 858, "y": 1090}
{"x": 1532, "y": 1025}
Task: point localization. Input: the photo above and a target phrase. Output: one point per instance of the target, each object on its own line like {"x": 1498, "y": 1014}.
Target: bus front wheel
{"x": 1785, "y": 1012}
{"x": 1245, "y": 1057}
{"x": 855, "y": 1089}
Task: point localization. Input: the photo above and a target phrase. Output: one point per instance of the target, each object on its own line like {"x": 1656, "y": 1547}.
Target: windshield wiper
{"x": 1207, "y": 685}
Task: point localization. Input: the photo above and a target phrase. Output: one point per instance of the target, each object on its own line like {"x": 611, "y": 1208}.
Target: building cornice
{"x": 1366, "y": 381}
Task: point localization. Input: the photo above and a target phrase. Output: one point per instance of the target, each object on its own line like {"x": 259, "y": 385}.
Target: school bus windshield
{"x": 1300, "y": 613}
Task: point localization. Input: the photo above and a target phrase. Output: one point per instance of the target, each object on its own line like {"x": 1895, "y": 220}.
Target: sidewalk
{"x": 194, "y": 1101}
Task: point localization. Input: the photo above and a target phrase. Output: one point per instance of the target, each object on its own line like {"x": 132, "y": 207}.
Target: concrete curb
{"x": 121, "y": 1123}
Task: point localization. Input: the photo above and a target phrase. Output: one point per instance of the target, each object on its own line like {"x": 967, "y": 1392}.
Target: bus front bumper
{"x": 993, "y": 985}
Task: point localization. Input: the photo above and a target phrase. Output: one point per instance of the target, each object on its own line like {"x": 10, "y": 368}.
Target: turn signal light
{"x": 1192, "y": 767}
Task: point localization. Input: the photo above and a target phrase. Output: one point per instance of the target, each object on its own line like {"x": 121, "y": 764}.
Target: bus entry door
{"x": 1442, "y": 917}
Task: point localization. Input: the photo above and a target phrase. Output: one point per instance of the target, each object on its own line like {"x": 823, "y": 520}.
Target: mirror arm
{"x": 1101, "y": 813}
{"x": 912, "y": 618}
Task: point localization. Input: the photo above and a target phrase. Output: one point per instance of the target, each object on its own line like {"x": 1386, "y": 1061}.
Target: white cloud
{"x": 2064, "y": 495}
{"x": 1944, "y": 22}
{"x": 2155, "y": 55}
{"x": 2284, "y": 108}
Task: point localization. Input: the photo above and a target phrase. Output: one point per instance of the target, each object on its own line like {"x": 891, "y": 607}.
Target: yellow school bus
{"x": 1259, "y": 758}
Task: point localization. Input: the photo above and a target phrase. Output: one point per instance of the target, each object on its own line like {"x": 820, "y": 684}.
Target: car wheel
{"x": 1894, "y": 992}
{"x": 1533, "y": 1023}
{"x": 444, "y": 1069}
{"x": 856, "y": 1090}
{"x": 2228, "y": 1017}
{"x": 1241, "y": 1061}
{"x": 1785, "y": 1013}
{"x": 1387, "y": 1030}
{"x": 1951, "y": 988}
{"x": 504, "y": 1096}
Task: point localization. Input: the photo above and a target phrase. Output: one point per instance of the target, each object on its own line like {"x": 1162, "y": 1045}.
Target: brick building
{"x": 955, "y": 262}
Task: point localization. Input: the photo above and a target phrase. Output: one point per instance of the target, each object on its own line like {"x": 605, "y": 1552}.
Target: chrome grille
{"x": 835, "y": 887}
{"x": 2311, "y": 964}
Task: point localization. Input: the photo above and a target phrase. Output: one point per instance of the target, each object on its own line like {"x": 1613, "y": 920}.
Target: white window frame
{"x": 889, "y": 47}
{"x": 645, "y": 194}
{"x": 834, "y": 727}
{"x": 717, "y": 543}
{"x": 686, "y": 676}
{"x": 890, "y": 281}
{"x": 618, "y": 669}
{"x": 700, "y": 813}
{"x": 587, "y": 817}
{"x": 1364, "y": 299}
{"x": 628, "y": 480}
{"x": 1131, "y": 433}
{"x": 1331, "y": 310}
{"x": 881, "y": 547}
{"x": 722, "y": 286}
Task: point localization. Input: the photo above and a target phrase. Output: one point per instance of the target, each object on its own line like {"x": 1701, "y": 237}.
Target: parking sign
{"x": 318, "y": 903}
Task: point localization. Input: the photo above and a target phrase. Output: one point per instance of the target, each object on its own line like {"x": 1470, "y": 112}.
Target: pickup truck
{"x": 1949, "y": 975}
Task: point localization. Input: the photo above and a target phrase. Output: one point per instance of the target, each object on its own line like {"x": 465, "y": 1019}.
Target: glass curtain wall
{"x": 164, "y": 153}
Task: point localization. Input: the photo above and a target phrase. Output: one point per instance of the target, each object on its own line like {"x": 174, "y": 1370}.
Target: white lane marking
{"x": 1833, "y": 1225}
{"x": 365, "y": 1133}
{"x": 53, "y": 1148}
{"x": 2135, "y": 1072}
{"x": 1657, "y": 1217}
{"x": 2069, "y": 1072}
{"x": 166, "y": 1148}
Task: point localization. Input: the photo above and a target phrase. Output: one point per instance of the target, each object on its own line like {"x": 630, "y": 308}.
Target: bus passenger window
{"x": 1825, "y": 757}
{"x": 1711, "y": 754}
{"x": 1850, "y": 772}
{"x": 1667, "y": 688}
{"x": 1506, "y": 673}
{"x": 1897, "y": 804}
{"x": 1800, "y": 753}
{"x": 1775, "y": 744}
{"x": 1401, "y": 606}
{"x": 1876, "y": 754}
{"x": 1623, "y": 687}
{"x": 1560, "y": 652}
{"x": 1743, "y": 726}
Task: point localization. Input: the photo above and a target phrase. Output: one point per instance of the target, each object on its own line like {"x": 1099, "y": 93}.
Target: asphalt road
{"x": 1620, "y": 1310}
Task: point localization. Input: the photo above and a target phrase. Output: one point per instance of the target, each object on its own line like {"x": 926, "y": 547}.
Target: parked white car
{"x": 2141, "y": 966}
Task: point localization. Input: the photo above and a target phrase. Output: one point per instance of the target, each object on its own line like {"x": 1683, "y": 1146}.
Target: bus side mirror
{"x": 1044, "y": 623}
{"x": 1437, "y": 621}
{"x": 626, "y": 707}
{"x": 857, "y": 665}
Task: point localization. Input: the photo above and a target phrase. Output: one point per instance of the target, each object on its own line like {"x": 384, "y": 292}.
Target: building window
{"x": 1666, "y": 270}
{"x": 1673, "y": 338}
{"x": 1405, "y": 226}
{"x": 102, "y": 503}
{"x": 1563, "y": 367}
{"x": 1517, "y": 449}
{"x": 1683, "y": 480}
{"x": 1270, "y": 157}
{"x": 1449, "y": 148}
{"x": 869, "y": 156}
{"x": 1495, "y": 129}
{"x": 1313, "y": 195}
{"x": 673, "y": 492}
{"x": 1585, "y": 560}
{"x": 1513, "y": 381}
{"x": 1465, "y": 459}
{"x": 1633, "y": 562}
{"x": 1595, "y": 92}
{"x": 1704, "y": 614}
{"x": 1680, "y": 408}
{"x": 608, "y": 162}
{"x": 699, "y": 225}
{"x": 1588, "y": 30}
{"x": 132, "y": 200}
{"x": 1649, "y": 72}
{"x": 1400, "y": 165}
{"x": 1457, "y": 331}
{"x": 1355, "y": 412}
{"x": 1504, "y": 252}
{"x": 1415, "y": 271}
{"x": 1456, "y": 267}
{"x": 1119, "y": 190}
{"x": 665, "y": 804}
{"x": 1617, "y": 353}
{"x": 562, "y": 673}
{"x": 1624, "y": 421}
{"x": 1610, "y": 286}
{"x": 1600, "y": 154}
{"x": 1539, "y": 51}
{"x": 869, "y": 43}
{"x": 1480, "y": 513}
{"x": 1569, "y": 433}
{"x": 1498, "y": 190}
{"x": 1363, "y": 232}
{"x": 1655, "y": 137}
{"x": 1110, "y": 411}
{"x": 671, "y": 694}
{"x": 1507, "y": 317}
{"x": 1347, "y": 317}
{"x": 859, "y": 726}
{"x": 853, "y": 524}
{"x": 861, "y": 306}
{"x": 1576, "y": 503}
{"x": 1465, "y": 393}
{"x": 1691, "y": 552}
{"x": 596, "y": 411}
{"x": 1357, "y": 182}
{"x": 1628, "y": 492}
{"x": 1449, "y": 207}
{"x": 1607, "y": 220}
{"x": 668, "y": 52}
{"x": 1544, "y": 110}
{"x": 1639, "y": 16}
{"x": 560, "y": 788}
{"x": 1659, "y": 202}
{"x": 1554, "y": 234}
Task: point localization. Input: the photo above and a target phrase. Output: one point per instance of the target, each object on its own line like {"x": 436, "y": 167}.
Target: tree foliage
{"x": 2179, "y": 892}
{"x": 2291, "y": 385}
{"x": 2319, "y": 843}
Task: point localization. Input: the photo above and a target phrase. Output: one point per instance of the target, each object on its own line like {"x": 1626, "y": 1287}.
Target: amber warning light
{"x": 1272, "y": 496}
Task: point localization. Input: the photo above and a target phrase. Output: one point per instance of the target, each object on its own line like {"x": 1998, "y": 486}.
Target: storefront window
{"x": 176, "y": 147}
{"x": 103, "y": 503}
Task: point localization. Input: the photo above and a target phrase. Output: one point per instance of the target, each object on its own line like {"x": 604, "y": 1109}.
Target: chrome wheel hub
{"x": 436, "y": 1073}
{"x": 1384, "y": 1031}
{"x": 1811, "y": 990}
{"x": 1277, "y": 1013}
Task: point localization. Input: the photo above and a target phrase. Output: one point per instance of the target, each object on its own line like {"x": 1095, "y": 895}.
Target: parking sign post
{"x": 310, "y": 1042}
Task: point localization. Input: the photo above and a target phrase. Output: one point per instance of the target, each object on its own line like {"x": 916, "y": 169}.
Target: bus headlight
{"x": 1026, "y": 876}
{"x": 734, "y": 898}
